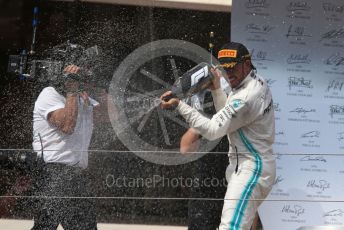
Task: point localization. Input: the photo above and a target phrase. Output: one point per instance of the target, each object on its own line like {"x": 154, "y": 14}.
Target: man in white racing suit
{"x": 247, "y": 117}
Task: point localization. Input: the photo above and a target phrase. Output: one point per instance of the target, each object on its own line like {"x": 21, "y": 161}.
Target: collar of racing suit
{"x": 247, "y": 79}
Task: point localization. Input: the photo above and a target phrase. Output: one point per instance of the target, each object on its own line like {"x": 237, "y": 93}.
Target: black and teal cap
{"x": 231, "y": 54}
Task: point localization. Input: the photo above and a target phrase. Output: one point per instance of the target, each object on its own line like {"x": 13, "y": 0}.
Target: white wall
{"x": 298, "y": 46}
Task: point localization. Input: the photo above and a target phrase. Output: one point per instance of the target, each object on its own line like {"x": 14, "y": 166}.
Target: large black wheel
{"x": 142, "y": 126}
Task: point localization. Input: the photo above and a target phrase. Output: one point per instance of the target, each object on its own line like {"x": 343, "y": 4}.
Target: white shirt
{"x": 58, "y": 147}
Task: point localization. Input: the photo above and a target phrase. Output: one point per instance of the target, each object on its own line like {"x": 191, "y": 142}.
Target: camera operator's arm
{"x": 65, "y": 118}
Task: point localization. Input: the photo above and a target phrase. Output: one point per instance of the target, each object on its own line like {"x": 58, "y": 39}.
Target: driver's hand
{"x": 216, "y": 80}
{"x": 172, "y": 103}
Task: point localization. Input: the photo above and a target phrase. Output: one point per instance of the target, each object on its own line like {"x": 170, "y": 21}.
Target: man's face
{"x": 235, "y": 75}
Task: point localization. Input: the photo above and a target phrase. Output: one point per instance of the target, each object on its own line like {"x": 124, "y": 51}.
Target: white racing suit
{"x": 247, "y": 117}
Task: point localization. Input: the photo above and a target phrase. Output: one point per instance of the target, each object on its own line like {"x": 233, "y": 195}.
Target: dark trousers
{"x": 204, "y": 211}
{"x": 204, "y": 214}
{"x": 63, "y": 193}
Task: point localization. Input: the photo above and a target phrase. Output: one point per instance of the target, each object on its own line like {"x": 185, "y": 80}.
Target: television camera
{"x": 50, "y": 67}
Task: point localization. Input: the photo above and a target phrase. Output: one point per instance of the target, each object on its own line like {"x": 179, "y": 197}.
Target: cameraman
{"x": 62, "y": 130}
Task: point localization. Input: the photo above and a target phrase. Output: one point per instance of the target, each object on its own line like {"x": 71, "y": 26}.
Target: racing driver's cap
{"x": 232, "y": 53}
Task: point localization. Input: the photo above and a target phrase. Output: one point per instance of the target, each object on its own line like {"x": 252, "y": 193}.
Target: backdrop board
{"x": 298, "y": 46}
